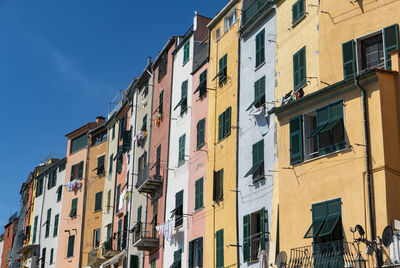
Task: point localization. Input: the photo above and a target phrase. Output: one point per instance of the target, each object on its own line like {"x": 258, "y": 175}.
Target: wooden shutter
{"x": 139, "y": 214}
{"x": 294, "y": 13}
{"x": 74, "y": 206}
{"x": 34, "y": 229}
{"x": 391, "y": 42}
{"x": 220, "y": 248}
{"x": 161, "y": 102}
{"x": 48, "y": 219}
{"x": 296, "y": 140}
{"x": 199, "y": 251}
{"x": 201, "y": 193}
{"x": 71, "y": 241}
{"x": 135, "y": 262}
{"x": 56, "y": 219}
{"x": 111, "y": 164}
{"x": 119, "y": 234}
{"x": 228, "y": 121}
{"x": 221, "y": 184}
{"x": 214, "y": 185}
{"x": 191, "y": 248}
{"x": 98, "y": 201}
{"x": 80, "y": 170}
{"x": 262, "y": 228}
{"x": 72, "y": 177}
{"x": 349, "y": 59}
{"x": 220, "y": 127}
{"x": 246, "y": 240}
{"x": 118, "y": 195}
{"x": 260, "y": 40}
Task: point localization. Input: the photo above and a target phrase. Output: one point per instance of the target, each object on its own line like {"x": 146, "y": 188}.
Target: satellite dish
{"x": 387, "y": 236}
{"x": 280, "y": 261}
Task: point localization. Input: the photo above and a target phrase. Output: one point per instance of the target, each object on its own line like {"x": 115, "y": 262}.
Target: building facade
{"x": 9, "y": 236}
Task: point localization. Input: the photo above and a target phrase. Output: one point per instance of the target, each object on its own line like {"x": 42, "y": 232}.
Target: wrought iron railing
{"x": 331, "y": 255}
{"x": 143, "y": 230}
{"x": 255, "y": 245}
{"x": 106, "y": 246}
{"x": 143, "y": 175}
{"x": 93, "y": 255}
{"x": 253, "y": 10}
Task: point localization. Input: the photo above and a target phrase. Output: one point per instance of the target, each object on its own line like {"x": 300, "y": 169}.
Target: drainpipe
{"x": 368, "y": 165}
{"x": 237, "y": 158}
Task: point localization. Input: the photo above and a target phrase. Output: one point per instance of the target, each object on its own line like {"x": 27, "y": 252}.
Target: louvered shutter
{"x": 220, "y": 127}
{"x": 246, "y": 240}
{"x": 391, "y": 42}
{"x": 262, "y": 228}
{"x": 191, "y": 254}
{"x": 349, "y": 59}
{"x": 296, "y": 140}
{"x": 228, "y": 121}
{"x": 199, "y": 251}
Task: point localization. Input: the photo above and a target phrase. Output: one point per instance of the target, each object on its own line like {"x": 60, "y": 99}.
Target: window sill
{"x": 184, "y": 63}
{"x": 223, "y": 138}
{"x": 298, "y": 20}
{"x": 198, "y": 209}
{"x": 259, "y": 66}
{"x": 346, "y": 148}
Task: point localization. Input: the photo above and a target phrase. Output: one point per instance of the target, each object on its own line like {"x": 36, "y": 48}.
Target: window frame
{"x": 260, "y": 48}
{"x": 70, "y": 247}
{"x": 186, "y": 52}
{"x": 98, "y": 200}
{"x": 199, "y": 194}
{"x": 224, "y": 124}
{"x": 222, "y": 70}
{"x": 300, "y": 14}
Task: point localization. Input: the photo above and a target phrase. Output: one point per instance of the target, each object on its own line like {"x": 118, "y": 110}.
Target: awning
{"x": 199, "y": 87}
{"x": 314, "y": 229}
{"x": 27, "y": 248}
{"x": 256, "y": 100}
{"x": 180, "y": 103}
{"x": 254, "y": 168}
{"x": 113, "y": 259}
{"x": 329, "y": 226}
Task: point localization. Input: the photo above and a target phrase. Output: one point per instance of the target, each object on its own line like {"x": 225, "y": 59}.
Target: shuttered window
{"x": 196, "y": 253}
{"x": 203, "y": 84}
{"x": 186, "y": 52}
{"x": 35, "y": 223}
{"x": 158, "y": 162}
{"x": 296, "y": 140}
{"x": 220, "y": 248}
{"x": 74, "y": 205}
{"x": 299, "y": 69}
{"x": 111, "y": 164}
{"x": 246, "y": 238}
{"x": 183, "y": 101}
{"x": 139, "y": 214}
{"x": 59, "y": 193}
{"x": 56, "y": 220}
{"x": 218, "y": 185}
{"x": 260, "y": 48}
{"x": 117, "y": 200}
{"x": 349, "y": 59}
{"x": 298, "y": 11}
{"x": 222, "y": 72}
{"x": 48, "y": 219}
{"x": 100, "y": 165}
{"x": 224, "y": 124}
{"x": 77, "y": 171}
{"x": 198, "y": 194}
{"x": 144, "y": 123}
{"x": 178, "y": 208}
{"x": 257, "y": 169}
{"x": 135, "y": 262}
{"x": 70, "y": 250}
{"x": 162, "y": 66}
{"x": 181, "y": 154}
{"x": 201, "y": 131}
{"x": 391, "y": 42}
{"x": 51, "y": 256}
{"x": 39, "y": 186}
{"x": 79, "y": 143}
{"x": 161, "y": 102}
{"x": 98, "y": 201}
{"x": 259, "y": 93}
{"x": 119, "y": 234}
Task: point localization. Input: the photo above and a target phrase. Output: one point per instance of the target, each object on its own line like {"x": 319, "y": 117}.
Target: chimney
{"x": 195, "y": 21}
{"x": 100, "y": 120}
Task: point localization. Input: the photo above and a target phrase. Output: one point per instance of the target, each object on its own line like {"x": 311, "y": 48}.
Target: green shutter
{"x": 299, "y": 69}
{"x": 391, "y": 42}
{"x": 80, "y": 170}
{"x": 35, "y": 223}
{"x": 298, "y": 11}
{"x": 349, "y": 59}
{"x": 135, "y": 262}
{"x": 296, "y": 140}
{"x": 262, "y": 228}
{"x": 48, "y": 223}
{"x": 228, "y": 122}
{"x": 56, "y": 219}
{"x": 98, "y": 201}
{"x": 110, "y": 163}
{"x": 139, "y": 214}
{"x": 118, "y": 195}
{"x": 119, "y": 234}
{"x": 246, "y": 240}
{"x": 294, "y": 13}
{"x": 199, "y": 251}
{"x": 260, "y": 41}
{"x": 199, "y": 194}
{"x": 221, "y": 184}
{"x": 191, "y": 247}
{"x": 161, "y": 102}
{"x": 71, "y": 241}
{"x": 74, "y": 205}
{"x": 186, "y": 52}
{"x": 72, "y": 177}
{"x": 144, "y": 123}
{"x": 181, "y": 152}
{"x": 200, "y": 133}
{"x": 220, "y": 248}
{"x": 220, "y": 127}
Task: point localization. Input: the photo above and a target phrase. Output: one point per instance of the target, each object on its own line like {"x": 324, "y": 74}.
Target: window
{"x": 260, "y": 47}
{"x": 259, "y": 94}
{"x": 257, "y": 170}
{"x": 35, "y": 223}
{"x": 253, "y": 234}
{"x": 113, "y": 132}
{"x": 56, "y": 219}
{"x": 224, "y": 124}
{"x": 201, "y": 127}
{"x": 59, "y": 193}
{"x": 70, "y": 250}
{"x": 120, "y": 159}
{"x": 146, "y": 89}
{"x": 220, "y": 248}
{"x": 186, "y": 52}
{"x": 177, "y": 259}
{"x": 326, "y": 222}
{"x": 100, "y": 165}
{"x": 127, "y": 139}
{"x": 217, "y": 33}
{"x": 153, "y": 264}
{"x": 222, "y": 71}
{"x": 202, "y": 88}
{"x": 183, "y": 101}
{"x": 230, "y": 19}
{"x": 110, "y": 167}
{"x": 108, "y": 200}
{"x": 198, "y": 194}
{"x": 299, "y": 69}
{"x": 48, "y": 223}
{"x": 181, "y": 154}
{"x": 298, "y": 11}
{"x": 154, "y": 219}
{"x": 323, "y": 132}
{"x": 117, "y": 200}
{"x": 196, "y": 253}
{"x": 98, "y": 201}
{"x": 218, "y": 185}
{"x": 162, "y": 66}
{"x": 74, "y": 205}
{"x": 178, "y": 211}
{"x": 52, "y": 256}
{"x": 144, "y": 123}
{"x": 373, "y": 51}
{"x": 119, "y": 234}
{"x": 161, "y": 102}
{"x": 96, "y": 238}
{"x": 158, "y": 162}
{"x": 43, "y": 258}
{"x": 135, "y": 262}
{"x": 79, "y": 143}
{"x": 61, "y": 167}
{"x": 77, "y": 171}
{"x": 122, "y": 127}
{"x": 99, "y": 138}
{"x": 39, "y": 186}
{"x": 52, "y": 179}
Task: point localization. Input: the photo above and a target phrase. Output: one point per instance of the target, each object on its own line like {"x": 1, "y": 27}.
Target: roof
{"x": 169, "y": 43}
{"x": 222, "y": 13}
{"x": 76, "y": 131}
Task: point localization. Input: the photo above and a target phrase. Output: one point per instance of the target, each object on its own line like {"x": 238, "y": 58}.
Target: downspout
{"x": 86, "y": 185}
{"x": 367, "y": 163}
{"x": 237, "y": 157}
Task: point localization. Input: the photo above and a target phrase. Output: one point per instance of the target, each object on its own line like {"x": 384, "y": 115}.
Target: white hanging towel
{"x": 262, "y": 122}
{"x": 262, "y": 259}
{"x": 121, "y": 200}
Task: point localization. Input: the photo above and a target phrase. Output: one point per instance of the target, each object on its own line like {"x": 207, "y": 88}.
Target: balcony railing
{"x": 95, "y": 258}
{"x": 144, "y": 236}
{"x": 149, "y": 184}
{"x": 251, "y": 12}
{"x": 106, "y": 247}
{"x": 338, "y": 254}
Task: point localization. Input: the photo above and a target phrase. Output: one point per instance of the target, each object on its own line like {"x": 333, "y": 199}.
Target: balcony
{"x": 107, "y": 250}
{"x": 332, "y": 254}
{"x": 145, "y": 236}
{"x": 149, "y": 184}
{"x": 94, "y": 258}
{"x": 251, "y": 13}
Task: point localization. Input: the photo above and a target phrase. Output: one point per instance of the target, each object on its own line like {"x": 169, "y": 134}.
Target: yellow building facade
{"x": 338, "y": 166}
{"x": 222, "y": 87}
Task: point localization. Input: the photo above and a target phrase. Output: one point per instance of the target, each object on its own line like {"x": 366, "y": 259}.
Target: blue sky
{"x": 61, "y": 63}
